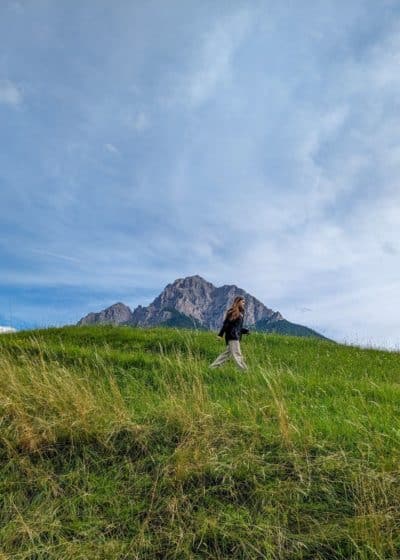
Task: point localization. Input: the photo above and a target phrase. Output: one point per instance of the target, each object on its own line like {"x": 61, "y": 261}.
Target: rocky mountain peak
{"x": 191, "y": 281}
{"x": 199, "y": 299}
{"x": 114, "y": 315}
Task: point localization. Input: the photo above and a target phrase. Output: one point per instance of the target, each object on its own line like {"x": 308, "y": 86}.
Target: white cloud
{"x": 212, "y": 68}
{"x": 347, "y": 274}
{"x": 111, "y": 148}
{"x": 55, "y": 255}
{"x": 4, "y": 330}
{"x": 10, "y": 94}
{"x": 141, "y": 122}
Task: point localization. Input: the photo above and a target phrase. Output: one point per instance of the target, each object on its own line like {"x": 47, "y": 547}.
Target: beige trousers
{"x": 232, "y": 349}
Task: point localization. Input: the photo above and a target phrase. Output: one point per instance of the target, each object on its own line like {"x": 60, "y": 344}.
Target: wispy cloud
{"x": 111, "y": 148}
{"x": 141, "y": 122}
{"x": 211, "y": 67}
{"x": 10, "y": 94}
{"x": 55, "y": 255}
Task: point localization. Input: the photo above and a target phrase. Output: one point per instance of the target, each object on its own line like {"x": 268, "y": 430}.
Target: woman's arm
{"x": 223, "y": 329}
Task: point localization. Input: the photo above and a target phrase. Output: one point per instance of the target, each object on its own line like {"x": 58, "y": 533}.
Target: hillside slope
{"x": 120, "y": 443}
{"x": 286, "y": 328}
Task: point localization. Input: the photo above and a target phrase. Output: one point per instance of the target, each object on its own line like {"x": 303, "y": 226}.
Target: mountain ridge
{"x": 193, "y": 302}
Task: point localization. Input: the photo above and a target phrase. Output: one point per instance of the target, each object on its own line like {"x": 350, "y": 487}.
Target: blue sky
{"x": 253, "y": 143}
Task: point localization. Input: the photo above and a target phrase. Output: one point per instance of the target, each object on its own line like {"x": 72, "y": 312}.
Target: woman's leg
{"x": 222, "y": 358}
{"x": 237, "y": 354}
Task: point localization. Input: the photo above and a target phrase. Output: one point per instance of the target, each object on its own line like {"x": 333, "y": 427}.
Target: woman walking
{"x": 233, "y": 330}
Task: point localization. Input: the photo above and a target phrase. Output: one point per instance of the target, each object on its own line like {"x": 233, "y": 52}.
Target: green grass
{"x": 119, "y": 443}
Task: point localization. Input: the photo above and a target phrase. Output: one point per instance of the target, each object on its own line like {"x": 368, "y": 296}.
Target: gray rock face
{"x": 195, "y": 297}
{"x": 192, "y": 296}
{"x": 114, "y": 315}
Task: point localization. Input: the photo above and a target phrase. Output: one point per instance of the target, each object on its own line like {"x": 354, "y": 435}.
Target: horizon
{"x": 251, "y": 144}
{"x": 6, "y": 329}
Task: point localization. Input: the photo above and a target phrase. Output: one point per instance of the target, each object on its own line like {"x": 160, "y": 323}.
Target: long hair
{"x": 236, "y": 309}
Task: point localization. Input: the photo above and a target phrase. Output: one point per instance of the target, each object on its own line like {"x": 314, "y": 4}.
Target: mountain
{"x": 193, "y": 302}
{"x": 201, "y": 300}
{"x": 173, "y": 318}
{"x": 116, "y": 314}
{"x": 192, "y": 297}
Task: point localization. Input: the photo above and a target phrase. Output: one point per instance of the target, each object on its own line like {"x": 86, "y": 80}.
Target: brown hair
{"x": 236, "y": 309}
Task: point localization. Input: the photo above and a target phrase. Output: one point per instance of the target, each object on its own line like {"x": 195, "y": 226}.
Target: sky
{"x": 252, "y": 143}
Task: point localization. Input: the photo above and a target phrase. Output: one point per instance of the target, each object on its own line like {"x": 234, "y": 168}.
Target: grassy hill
{"x": 286, "y": 327}
{"x": 119, "y": 443}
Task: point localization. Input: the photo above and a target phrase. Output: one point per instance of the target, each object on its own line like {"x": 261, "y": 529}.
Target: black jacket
{"x": 233, "y": 329}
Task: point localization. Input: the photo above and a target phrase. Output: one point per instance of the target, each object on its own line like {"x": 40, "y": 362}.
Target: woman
{"x": 233, "y": 330}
